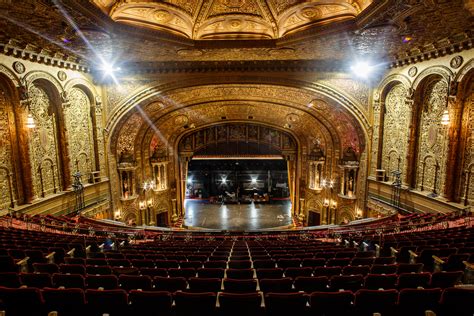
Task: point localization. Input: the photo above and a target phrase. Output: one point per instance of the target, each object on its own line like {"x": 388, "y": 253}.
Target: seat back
{"x": 417, "y": 301}
{"x": 142, "y": 302}
{"x": 284, "y": 304}
{"x": 234, "y": 304}
{"x": 331, "y": 303}
{"x": 64, "y": 301}
{"x": 199, "y": 304}
{"x": 282, "y": 285}
{"x": 368, "y": 302}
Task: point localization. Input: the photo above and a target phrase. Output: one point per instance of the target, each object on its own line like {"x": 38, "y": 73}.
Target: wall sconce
{"x": 149, "y": 202}
{"x": 334, "y": 204}
{"x": 149, "y": 185}
{"x": 141, "y": 205}
{"x": 445, "y": 118}
{"x": 25, "y": 100}
{"x": 118, "y": 214}
{"x": 326, "y": 203}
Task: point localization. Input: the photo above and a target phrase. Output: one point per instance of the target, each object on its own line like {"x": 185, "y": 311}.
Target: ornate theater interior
{"x": 229, "y": 122}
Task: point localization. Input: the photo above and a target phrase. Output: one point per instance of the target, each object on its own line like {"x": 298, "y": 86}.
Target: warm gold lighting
{"x": 30, "y": 122}
{"x": 445, "y": 118}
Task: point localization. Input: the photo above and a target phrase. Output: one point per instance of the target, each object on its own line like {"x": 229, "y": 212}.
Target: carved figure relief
{"x": 432, "y": 152}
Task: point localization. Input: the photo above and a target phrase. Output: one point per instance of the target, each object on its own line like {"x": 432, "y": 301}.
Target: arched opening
{"x": 238, "y": 176}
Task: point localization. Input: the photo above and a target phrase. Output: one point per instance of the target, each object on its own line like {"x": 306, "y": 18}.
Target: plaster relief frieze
{"x": 354, "y": 89}
{"x": 118, "y": 93}
{"x": 128, "y": 133}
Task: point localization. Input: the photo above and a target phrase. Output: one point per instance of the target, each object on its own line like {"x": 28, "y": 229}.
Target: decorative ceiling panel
{"x": 230, "y": 19}
{"x": 149, "y": 32}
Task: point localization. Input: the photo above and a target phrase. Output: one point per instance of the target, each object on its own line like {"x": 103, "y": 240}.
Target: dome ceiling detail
{"x": 231, "y": 19}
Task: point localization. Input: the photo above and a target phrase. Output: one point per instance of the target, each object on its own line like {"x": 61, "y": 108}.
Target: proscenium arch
{"x": 332, "y": 138}
{"x": 151, "y": 94}
{"x": 141, "y": 97}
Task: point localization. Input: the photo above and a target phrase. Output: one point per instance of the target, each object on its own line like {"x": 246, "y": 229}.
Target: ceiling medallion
{"x": 181, "y": 120}
{"x": 162, "y": 16}
{"x": 318, "y": 104}
{"x": 456, "y": 62}
{"x": 234, "y": 23}
{"x": 19, "y": 67}
{"x": 62, "y": 75}
{"x": 310, "y": 13}
{"x": 412, "y": 71}
{"x": 233, "y": 4}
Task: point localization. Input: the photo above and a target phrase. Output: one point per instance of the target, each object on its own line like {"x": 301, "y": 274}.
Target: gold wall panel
{"x": 79, "y": 131}
{"x": 396, "y": 120}
{"x": 6, "y": 150}
{"x": 433, "y": 140}
{"x": 44, "y": 143}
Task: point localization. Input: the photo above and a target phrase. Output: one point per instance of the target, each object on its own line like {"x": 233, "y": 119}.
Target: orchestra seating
{"x": 358, "y": 272}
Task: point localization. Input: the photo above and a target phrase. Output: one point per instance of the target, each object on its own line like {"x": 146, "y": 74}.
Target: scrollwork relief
{"x": 43, "y": 143}
{"x": 79, "y": 131}
{"x": 433, "y": 138}
{"x": 395, "y": 130}
{"x": 6, "y": 151}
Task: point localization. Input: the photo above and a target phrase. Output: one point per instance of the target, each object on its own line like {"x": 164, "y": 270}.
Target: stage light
{"x": 362, "y": 69}
{"x": 223, "y": 180}
{"x": 190, "y": 181}
{"x": 254, "y": 180}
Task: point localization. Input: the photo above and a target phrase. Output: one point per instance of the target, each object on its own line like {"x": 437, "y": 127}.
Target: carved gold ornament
{"x": 181, "y": 120}
{"x": 62, "y": 75}
{"x": 19, "y": 67}
{"x": 456, "y": 62}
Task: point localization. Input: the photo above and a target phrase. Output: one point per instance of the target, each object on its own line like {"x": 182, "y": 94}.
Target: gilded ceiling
{"x": 310, "y": 116}
{"x": 146, "y": 33}
{"x": 231, "y": 19}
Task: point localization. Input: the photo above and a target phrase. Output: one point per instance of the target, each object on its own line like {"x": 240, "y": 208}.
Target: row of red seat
{"x": 267, "y": 281}
{"x": 76, "y": 302}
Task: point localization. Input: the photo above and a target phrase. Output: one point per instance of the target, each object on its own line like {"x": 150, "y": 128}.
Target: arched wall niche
{"x": 95, "y": 155}
{"x": 11, "y": 184}
{"x": 438, "y": 156}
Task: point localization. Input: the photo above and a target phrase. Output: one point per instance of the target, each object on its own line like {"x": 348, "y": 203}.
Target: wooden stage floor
{"x": 200, "y": 214}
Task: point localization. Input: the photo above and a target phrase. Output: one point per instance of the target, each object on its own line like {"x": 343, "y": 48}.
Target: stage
{"x": 201, "y": 214}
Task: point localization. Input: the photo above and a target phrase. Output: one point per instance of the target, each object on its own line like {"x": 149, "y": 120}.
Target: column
{"x": 454, "y": 155}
